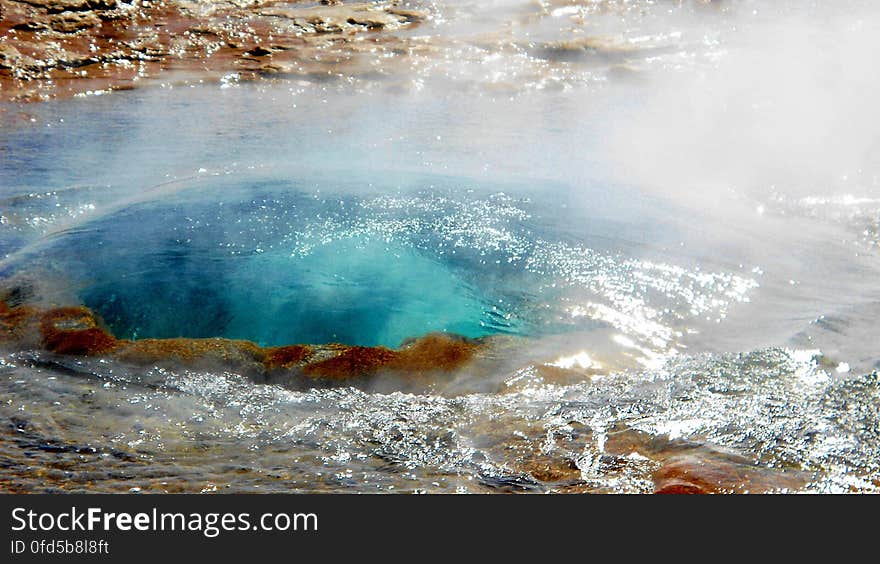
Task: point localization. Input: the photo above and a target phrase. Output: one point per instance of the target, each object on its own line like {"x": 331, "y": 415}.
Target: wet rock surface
{"x": 54, "y": 48}
{"x": 77, "y": 331}
{"x": 62, "y": 48}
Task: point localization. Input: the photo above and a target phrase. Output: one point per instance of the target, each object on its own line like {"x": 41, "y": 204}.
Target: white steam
{"x": 790, "y": 107}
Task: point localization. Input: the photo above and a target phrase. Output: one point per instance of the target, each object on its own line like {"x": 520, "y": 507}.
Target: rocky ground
{"x": 62, "y": 48}
{"x": 54, "y": 48}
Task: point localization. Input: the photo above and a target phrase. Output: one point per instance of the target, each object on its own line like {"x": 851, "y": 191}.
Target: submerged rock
{"x": 351, "y": 362}
{"x": 189, "y": 352}
{"x": 286, "y": 357}
{"x": 685, "y": 467}
{"x": 435, "y": 352}
{"x": 708, "y": 471}
{"x": 77, "y": 331}
{"x": 584, "y": 48}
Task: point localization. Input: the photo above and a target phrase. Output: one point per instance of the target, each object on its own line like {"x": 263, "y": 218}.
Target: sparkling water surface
{"x": 737, "y": 336}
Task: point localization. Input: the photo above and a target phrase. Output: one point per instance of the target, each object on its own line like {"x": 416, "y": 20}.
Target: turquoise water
{"x": 352, "y": 291}
{"x": 277, "y": 261}
{"x": 265, "y": 261}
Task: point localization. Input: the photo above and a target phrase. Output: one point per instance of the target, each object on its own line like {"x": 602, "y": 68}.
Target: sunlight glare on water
{"x": 663, "y": 294}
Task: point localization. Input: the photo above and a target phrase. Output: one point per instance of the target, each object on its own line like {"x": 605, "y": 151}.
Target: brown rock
{"x": 10, "y": 57}
{"x": 352, "y": 362}
{"x": 31, "y": 26}
{"x": 14, "y": 322}
{"x": 59, "y": 6}
{"x": 73, "y": 22}
{"x": 708, "y": 471}
{"x": 547, "y": 469}
{"x": 190, "y": 351}
{"x": 78, "y": 331}
{"x": 287, "y": 357}
{"x": 679, "y": 488}
{"x": 435, "y": 351}
{"x": 50, "y": 39}
{"x": 74, "y": 330}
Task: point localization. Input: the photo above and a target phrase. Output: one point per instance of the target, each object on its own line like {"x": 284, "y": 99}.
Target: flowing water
{"x": 670, "y": 297}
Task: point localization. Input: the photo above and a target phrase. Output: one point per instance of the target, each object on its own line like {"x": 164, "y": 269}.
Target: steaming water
{"x": 742, "y": 334}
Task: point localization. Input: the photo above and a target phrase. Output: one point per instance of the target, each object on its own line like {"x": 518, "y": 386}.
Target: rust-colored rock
{"x": 695, "y": 468}
{"x": 52, "y": 48}
{"x": 189, "y": 351}
{"x": 435, "y": 351}
{"x": 709, "y": 471}
{"x": 680, "y": 488}
{"x": 73, "y": 22}
{"x": 75, "y": 331}
{"x": 352, "y": 362}
{"x": 287, "y": 357}
{"x": 86, "y": 342}
{"x": 689, "y": 475}
{"x": 15, "y": 321}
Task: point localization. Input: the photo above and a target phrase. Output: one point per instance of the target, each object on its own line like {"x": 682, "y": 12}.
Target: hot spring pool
{"x": 277, "y": 266}
{"x": 628, "y": 331}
